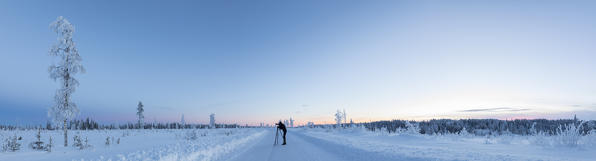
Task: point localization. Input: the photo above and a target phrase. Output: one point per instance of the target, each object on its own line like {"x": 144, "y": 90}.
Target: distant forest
{"x": 476, "y": 126}
{"x": 431, "y": 127}
{"x": 90, "y": 124}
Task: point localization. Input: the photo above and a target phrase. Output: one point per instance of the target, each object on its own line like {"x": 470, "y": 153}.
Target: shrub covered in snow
{"x": 108, "y": 141}
{"x": 80, "y": 143}
{"x": 191, "y": 135}
{"x": 11, "y": 144}
{"x": 49, "y": 145}
{"x": 569, "y": 135}
{"x": 37, "y": 145}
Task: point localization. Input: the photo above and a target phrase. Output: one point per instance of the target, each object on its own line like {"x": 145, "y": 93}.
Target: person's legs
{"x": 284, "y": 138}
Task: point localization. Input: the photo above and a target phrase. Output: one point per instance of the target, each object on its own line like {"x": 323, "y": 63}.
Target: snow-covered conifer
{"x": 338, "y": 118}
{"x": 140, "y": 115}
{"x": 212, "y": 120}
{"x": 37, "y": 145}
{"x": 345, "y": 117}
{"x": 77, "y": 142}
{"x": 182, "y": 121}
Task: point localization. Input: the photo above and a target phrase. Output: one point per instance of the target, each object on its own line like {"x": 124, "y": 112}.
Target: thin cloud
{"x": 304, "y": 108}
{"x": 163, "y": 107}
{"x": 498, "y": 109}
{"x": 585, "y": 106}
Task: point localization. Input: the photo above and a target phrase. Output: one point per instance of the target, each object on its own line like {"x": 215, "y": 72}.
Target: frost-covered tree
{"x": 69, "y": 65}
{"x": 412, "y": 128}
{"x": 182, "y": 121}
{"x": 338, "y": 118}
{"x": 345, "y": 117}
{"x": 140, "y": 115}
{"x": 212, "y": 120}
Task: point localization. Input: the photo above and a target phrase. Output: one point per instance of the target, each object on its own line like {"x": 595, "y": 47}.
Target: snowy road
{"x": 304, "y": 148}
{"x": 298, "y": 148}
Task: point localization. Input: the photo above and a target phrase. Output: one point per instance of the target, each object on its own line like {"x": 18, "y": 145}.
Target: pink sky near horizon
{"x": 330, "y": 119}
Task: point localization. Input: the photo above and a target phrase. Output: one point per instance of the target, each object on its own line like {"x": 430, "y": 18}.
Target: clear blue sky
{"x": 260, "y": 61}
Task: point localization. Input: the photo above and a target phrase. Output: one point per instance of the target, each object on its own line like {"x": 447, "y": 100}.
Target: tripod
{"x": 276, "y": 136}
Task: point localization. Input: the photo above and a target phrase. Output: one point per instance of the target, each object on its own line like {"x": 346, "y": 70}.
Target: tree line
{"x": 483, "y": 126}
{"x": 90, "y": 124}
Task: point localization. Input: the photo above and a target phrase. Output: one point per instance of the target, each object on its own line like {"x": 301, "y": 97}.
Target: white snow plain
{"x": 162, "y": 145}
{"x": 324, "y": 144}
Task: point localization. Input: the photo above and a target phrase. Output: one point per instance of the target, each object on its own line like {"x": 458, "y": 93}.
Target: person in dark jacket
{"x": 282, "y": 127}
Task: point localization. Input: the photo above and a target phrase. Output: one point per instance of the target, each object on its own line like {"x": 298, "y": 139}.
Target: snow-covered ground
{"x": 408, "y": 146}
{"x": 355, "y": 144}
{"x": 163, "y": 145}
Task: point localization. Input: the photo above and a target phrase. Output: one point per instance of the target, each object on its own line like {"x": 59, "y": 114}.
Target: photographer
{"x": 282, "y": 127}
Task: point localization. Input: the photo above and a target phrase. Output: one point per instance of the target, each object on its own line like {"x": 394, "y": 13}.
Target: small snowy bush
{"x": 37, "y": 145}
{"x": 590, "y": 138}
{"x": 191, "y": 135}
{"x": 125, "y": 134}
{"x": 87, "y": 143}
{"x": 569, "y": 135}
{"x": 79, "y": 143}
{"x": 539, "y": 138}
{"x": 11, "y": 144}
{"x": 49, "y": 145}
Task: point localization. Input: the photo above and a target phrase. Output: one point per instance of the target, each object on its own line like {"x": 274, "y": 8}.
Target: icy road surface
{"x": 305, "y": 148}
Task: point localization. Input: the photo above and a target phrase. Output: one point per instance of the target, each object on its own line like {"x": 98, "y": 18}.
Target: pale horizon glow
{"x": 253, "y": 62}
